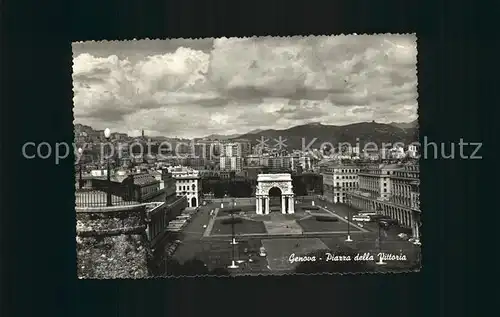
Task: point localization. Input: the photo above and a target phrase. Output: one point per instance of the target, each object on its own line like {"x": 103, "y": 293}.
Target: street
{"x": 217, "y": 252}
{"x": 346, "y": 211}
{"x": 390, "y": 242}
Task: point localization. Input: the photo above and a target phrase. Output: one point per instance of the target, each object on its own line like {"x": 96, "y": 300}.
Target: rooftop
{"x": 144, "y": 179}
{"x": 383, "y": 167}
{"x": 96, "y": 198}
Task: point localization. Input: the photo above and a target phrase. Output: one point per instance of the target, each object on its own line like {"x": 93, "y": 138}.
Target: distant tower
{"x": 142, "y": 133}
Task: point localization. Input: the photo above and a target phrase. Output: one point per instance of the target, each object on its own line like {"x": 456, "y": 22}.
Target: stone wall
{"x": 112, "y": 242}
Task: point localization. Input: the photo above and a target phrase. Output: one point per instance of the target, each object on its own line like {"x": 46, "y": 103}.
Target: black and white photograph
{"x": 247, "y": 156}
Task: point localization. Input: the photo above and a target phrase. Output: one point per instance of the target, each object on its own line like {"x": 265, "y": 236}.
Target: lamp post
{"x": 348, "y": 226}
{"x": 380, "y": 259}
{"x": 107, "y": 135}
{"x": 80, "y": 180}
{"x": 233, "y": 240}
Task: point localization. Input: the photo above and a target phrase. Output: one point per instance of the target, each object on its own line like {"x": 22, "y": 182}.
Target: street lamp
{"x": 80, "y": 181}
{"x": 107, "y": 135}
{"x": 380, "y": 259}
{"x": 348, "y": 225}
{"x": 233, "y": 240}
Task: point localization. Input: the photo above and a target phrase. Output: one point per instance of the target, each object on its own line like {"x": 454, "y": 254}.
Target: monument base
{"x": 233, "y": 265}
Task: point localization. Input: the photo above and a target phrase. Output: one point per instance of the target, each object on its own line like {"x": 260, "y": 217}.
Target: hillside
{"x": 301, "y": 136}
{"x": 405, "y": 125}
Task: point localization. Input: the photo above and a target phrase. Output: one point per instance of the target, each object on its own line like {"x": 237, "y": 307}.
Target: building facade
{"x": 148, "y": 186}
{"x": 376, "y": 180}
{"x": 231, "y": 163}
{"x": 188, "y": 183}
{"x": 338, "y": 180}
{"x": 392, "y": 190}
{"x": 231, "y": 157}
{"x": 279, "y": 162}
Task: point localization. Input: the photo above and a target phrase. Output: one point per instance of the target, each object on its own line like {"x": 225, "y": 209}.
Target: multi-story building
{"x": 158, "y": 175}
{"x": 401, "y": 184}
{"x": 231, "y": 149}
{"x": 375, "y": 180}
{"x": 338, "y": 180}
{"x": 149, "y": 186}
{"x": 355, "y": 150}
{"x": 99, "y": 172}
{"x": 245, "y": 146}
{"x": 231, "y": 163}
{"x": 392, "y": 190}
{"x": 373, "y": 154}
{"x": 188, "y": 183}
{"x": 231, "y": 158}
{"x": 279, "y": 162}
{"x": 397, "y": 152}
{"x": 204, "y": 149}
{"x": 253, "y": 160}
{"x": 412, "y": 151}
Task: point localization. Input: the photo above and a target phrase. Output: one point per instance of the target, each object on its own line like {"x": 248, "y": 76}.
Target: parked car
{"x": 403, "y": 236}
{"x": 378, "y": 217}
{"x": 361, "y": 218}
{"x": 387, "y": 223}
{"x": 367, "y": 213}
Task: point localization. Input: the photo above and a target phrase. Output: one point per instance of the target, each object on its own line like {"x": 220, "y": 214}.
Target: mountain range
{"x": 301, "y": 136}
{"x": 229, "y": 136}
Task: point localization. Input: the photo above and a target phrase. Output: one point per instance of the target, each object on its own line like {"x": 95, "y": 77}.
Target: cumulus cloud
{"x": 236, "y": 85}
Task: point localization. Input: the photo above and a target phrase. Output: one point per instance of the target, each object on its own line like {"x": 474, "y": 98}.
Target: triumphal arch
{"x": 281, "y": 183}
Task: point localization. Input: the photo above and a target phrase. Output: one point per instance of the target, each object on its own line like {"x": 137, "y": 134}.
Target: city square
{"x": 212, "y": 244}
{"x": 247, "y": 156}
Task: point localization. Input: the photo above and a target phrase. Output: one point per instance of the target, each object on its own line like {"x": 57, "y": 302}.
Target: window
{"x": 385, "y": 190}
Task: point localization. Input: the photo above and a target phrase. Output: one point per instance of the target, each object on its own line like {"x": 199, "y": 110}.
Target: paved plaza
{"x": 207, "y": 238}
{"x": 303, "y": 222}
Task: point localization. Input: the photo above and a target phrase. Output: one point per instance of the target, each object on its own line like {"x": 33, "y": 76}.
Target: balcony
{"x": 89, "y": 197}
{"x": 116, "y": 241}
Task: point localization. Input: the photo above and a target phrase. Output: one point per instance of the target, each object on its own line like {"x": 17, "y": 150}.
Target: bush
{"x": 310, "y": 207}
{"x": 231, "y": 221}
{"x": 326, "y": 218}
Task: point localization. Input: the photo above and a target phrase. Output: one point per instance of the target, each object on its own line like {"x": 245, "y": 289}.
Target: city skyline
{"x": 195, "y": 88}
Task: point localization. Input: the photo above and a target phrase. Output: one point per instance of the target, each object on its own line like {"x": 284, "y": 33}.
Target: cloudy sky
{"x": 194, "y": 88}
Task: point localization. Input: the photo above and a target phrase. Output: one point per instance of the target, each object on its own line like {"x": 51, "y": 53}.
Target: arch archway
{"x": 193, "y": 202}
{"x": 274, "y": 199}
{"x": 274, "y": 191}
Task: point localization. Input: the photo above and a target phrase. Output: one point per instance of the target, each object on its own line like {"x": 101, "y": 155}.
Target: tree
{"x": 299, "y": 188}
{"x": 219, "y": 190}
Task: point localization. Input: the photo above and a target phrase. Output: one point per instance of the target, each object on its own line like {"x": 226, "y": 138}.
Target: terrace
{"x": 124, "y": 240}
